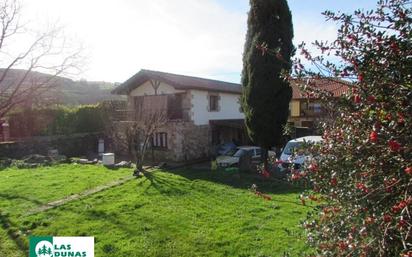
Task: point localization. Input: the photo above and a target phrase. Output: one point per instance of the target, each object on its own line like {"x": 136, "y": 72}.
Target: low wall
{"x": 70, "y": 145}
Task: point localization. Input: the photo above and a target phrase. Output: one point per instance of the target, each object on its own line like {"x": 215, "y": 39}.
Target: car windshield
{"x": 239, "y": 153}
{"x": 290, "y": 147}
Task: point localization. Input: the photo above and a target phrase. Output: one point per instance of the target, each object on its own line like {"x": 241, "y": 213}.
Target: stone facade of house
{"x": 185, "y": 141}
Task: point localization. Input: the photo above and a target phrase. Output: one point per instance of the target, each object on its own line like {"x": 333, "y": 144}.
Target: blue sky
{"x": 303, "y": 11}
{"x": 194, "y": 37}
{"x": 305, "y": 6}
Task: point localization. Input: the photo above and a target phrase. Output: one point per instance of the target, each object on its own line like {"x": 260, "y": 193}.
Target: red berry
{"x": 360, "y": 78}
{"x": 387, "y": 218}
{"x": 373, "y": 137}
{"x": 362, "y": 187}
{"x": 342, "y": 246}
{"x": 402, "y": 224}
{"x": 313, "y": 167}
{"x": 394, "y": 47}
{"x": 402, "y": 204}
{"x": 388, "y": 117}
{"x": 401, "y": 119}
{"x": 371, "y": 98}
{"x": 394, "y": 145}
{"x": 408, "y": 170}
{"x": 357, "y": 99}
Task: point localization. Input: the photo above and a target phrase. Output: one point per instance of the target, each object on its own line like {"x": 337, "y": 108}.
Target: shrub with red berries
{"x": 363, "y": 172}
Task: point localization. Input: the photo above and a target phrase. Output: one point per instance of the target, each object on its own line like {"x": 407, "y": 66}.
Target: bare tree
{"x": 29, "y": 51}
{"x": 134, "y": 133}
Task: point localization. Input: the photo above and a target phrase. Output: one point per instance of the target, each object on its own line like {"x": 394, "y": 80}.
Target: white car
{"x": 233, "y": 160}
{"x": 291, "y": 157}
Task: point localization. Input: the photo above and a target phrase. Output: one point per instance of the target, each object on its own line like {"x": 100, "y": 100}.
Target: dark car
{"x": 226, "y": 149}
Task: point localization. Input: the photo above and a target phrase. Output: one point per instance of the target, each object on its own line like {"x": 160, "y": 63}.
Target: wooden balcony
{"x": 172, "y": 114}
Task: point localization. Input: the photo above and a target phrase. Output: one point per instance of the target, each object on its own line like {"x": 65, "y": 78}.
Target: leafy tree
{"x": 363, "y": 176}
{"x": 266, "y": 94}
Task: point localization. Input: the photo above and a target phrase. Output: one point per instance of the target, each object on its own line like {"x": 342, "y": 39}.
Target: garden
{"x": 165, "y": 213}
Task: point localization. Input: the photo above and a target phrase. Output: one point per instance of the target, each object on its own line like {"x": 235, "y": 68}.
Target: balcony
{"x": 312, "y": 113}
{"x": 169, "y": 105}
{"x": 175, "y": 114}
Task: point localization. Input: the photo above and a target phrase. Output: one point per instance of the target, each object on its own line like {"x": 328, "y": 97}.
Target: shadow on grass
{"x": 15, "y": 197}
{"x": 13, "y": 232}
{"x": 163, "y": 185}
{"x": 168, "y": 187}
{"x": 241, "y": 180}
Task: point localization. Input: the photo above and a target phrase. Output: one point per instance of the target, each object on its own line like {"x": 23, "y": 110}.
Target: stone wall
{"x": 70, "y": 145}
{"x": 196, "y": 142}
{"x": 185, "y": 142}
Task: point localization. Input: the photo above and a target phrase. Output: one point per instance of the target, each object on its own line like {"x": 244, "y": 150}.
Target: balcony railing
{"x": 173, "y": 114}
{"x": 312, "y": 113}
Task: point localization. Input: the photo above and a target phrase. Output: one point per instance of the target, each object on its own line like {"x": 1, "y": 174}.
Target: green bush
{"x": 82, "y": 119}
{"x": 57, "y": 120}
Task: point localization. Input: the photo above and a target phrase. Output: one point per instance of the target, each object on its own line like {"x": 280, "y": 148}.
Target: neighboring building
{"x": 306, "y": 111}
{"x": 201, "y": 112}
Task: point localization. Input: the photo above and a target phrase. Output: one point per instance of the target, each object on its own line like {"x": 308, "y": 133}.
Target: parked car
{"x": 291, "y": 156}
{"x": 233, "y": 160}
{"x": 226, "y": 148}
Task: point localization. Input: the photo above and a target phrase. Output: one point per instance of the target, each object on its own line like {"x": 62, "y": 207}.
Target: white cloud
{"x": 311, "y": 30}
{"x": 196, "y": 37}
{"x": 190, "y": 37}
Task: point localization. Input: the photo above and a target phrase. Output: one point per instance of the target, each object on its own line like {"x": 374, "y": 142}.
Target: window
{"x": 317, "y": 108}
{"x": 213, "y": 103}
{"x": 160, "y": 140}
{"x": 174, "y": 106}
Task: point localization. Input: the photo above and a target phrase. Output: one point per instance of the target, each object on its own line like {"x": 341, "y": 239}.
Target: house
{"x": 201, "y": 113}
{"x": 306, "y": 110}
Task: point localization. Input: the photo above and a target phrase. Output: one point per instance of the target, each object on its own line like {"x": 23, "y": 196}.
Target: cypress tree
{"x": 266, "y": 94}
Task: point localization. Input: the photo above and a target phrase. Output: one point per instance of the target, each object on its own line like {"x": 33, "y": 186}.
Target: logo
{"x": 47, "y": 246}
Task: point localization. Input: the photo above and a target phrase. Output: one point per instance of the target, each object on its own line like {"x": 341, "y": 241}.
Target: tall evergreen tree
{"x": 266, "y": 94}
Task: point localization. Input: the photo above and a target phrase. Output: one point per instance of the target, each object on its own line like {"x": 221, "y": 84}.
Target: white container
{"x": 100, "y": 147}
{"x": 108, "y": 159}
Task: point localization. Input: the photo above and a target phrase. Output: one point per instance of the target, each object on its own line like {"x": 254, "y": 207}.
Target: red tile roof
{"x": 337, "y": 87}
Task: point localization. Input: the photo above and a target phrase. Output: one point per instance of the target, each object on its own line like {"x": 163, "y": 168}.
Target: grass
{"x": 185, "y": 213}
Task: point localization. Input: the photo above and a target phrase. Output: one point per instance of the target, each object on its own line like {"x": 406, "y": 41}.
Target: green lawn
{"x": 184, "y": 213}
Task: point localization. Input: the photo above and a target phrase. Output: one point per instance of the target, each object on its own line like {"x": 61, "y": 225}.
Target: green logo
{"x": 60, "y": 246}
{"x": 41, "y": 246}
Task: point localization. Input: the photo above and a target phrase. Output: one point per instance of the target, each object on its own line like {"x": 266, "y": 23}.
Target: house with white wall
{"x": 201, "y": 112}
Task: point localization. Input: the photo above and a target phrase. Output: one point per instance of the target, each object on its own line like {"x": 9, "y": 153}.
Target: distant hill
{"x": 64, "y": 90}
{"x": 87, "y": 92}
